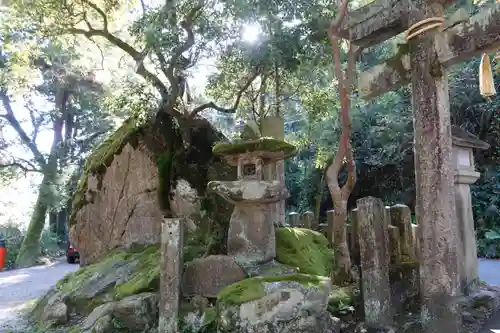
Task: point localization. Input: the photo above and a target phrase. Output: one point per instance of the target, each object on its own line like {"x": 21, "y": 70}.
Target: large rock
{"x": 137, "y": 313}
{"x": 117, "y": 277}
{"x": 280, "y": 304}
{"x": 123, "y": 209}
{"x": 94, "y": 297}
{"x": 478, "y": 307}
{"x": 305, "y": 249}
{"x": 207, "y": 276}
{"x": 132, "y": 180}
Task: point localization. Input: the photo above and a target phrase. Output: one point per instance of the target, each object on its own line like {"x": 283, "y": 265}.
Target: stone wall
{"x": 122, "y": 209}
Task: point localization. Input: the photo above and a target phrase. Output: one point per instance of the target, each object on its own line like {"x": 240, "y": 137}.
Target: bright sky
{"x": 17, "y": 199}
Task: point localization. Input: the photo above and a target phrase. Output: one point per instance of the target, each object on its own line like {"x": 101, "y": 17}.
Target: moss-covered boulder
{"x": 305, "y": 249}
{"x": 141, "y": 173}
{"x": 120, "y": 275}
{"x": 289, "y": 303}
{"x": 137, "y": 313}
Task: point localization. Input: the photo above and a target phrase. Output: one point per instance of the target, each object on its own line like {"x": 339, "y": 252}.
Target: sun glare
{"x": 251, "y": 33}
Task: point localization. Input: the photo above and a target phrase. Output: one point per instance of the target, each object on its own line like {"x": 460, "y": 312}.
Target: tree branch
{"x": 187, "y": 25}
{"x": 232, "y": 109}
{"x": 351, "y": 173}
{"x": 34, "y": 122}
{"x": 14, "y": 123}
{"x": 20, "y": 166}
{"x": 137, "y": 56}
{"x": 345, "y": 90}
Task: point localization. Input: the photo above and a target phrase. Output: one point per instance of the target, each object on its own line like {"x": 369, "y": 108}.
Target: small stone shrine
{"x": 251, "y": 236}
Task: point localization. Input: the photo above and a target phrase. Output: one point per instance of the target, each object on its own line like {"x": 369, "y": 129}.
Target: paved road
{"x": 489, "y": 271}
{"x": 19, "y": 287}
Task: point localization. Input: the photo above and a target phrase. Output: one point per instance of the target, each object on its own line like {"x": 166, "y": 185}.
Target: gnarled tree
{"x": 344, "y": 154}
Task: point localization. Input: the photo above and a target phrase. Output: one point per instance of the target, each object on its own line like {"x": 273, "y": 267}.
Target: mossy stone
{"x": 142, "y": 275}
{"x": 196, "y": 164}
{"x": 305, "y": 249}
{"x": 209, "y": 316}
{"x": 341, "y": 295}
{"x": 100, "y": 159}
{"x": 254, "y": 288}
{"x": 263, "y": 144}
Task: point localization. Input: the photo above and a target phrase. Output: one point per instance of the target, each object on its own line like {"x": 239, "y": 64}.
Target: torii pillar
{"x": 423, "y": 62}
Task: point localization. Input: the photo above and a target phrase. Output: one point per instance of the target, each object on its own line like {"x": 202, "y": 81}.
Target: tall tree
{"x": 60, "y": 98}
{"x": 340, "y": 195}
{"x": 164, "y": 42}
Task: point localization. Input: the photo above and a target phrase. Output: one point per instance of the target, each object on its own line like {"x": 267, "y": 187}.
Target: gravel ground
{"x": 20, "y": 288}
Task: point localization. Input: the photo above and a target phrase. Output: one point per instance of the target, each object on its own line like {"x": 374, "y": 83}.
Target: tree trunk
{"x": 344, "y": 275}
{"x": 62, "y": 223}
{"x": 57, "y": 224}
{"x": 340, "y": 195}
{"x": 53, "y": 222}
{"x": 30, "y": 248}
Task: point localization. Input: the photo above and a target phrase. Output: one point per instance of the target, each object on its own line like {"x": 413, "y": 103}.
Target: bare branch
{"x": 100, "y": 12}
{"x": 14, "y": 123}
{"x": 143, "y": 6}
{"x": 18, "y": 165}
{"x": 289, "y": 96}
{"x": 36, "y": 124}
{"x": 84, "y": 143}
{"x": 232, "y": 109}
{"x": 345, "y": 90}
{"x": 333, "y": 170}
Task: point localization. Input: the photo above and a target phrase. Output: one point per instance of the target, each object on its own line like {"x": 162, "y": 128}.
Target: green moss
{"x": 191, "y": 252}
{"x": 342, "y": 301}
{"x": 396, "y": 62}
{"x": 143, "y": 277}
{"x": 147, "y": 274}
{"x": 305, "y": 249}
{"x": 251, "y": 289}
{"x": 341, "y": 296}
{"x": 263, "y": 144}
{"x": 209, "y": 316}
{"x": 100, "y": 159}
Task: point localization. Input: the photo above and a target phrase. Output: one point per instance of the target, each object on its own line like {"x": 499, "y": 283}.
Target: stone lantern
{"x": 465, "y": 175}
{"x": 251, "y": 236}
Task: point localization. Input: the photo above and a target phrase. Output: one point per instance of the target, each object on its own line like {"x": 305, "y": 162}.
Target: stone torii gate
{"x": 423, "y": 62}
